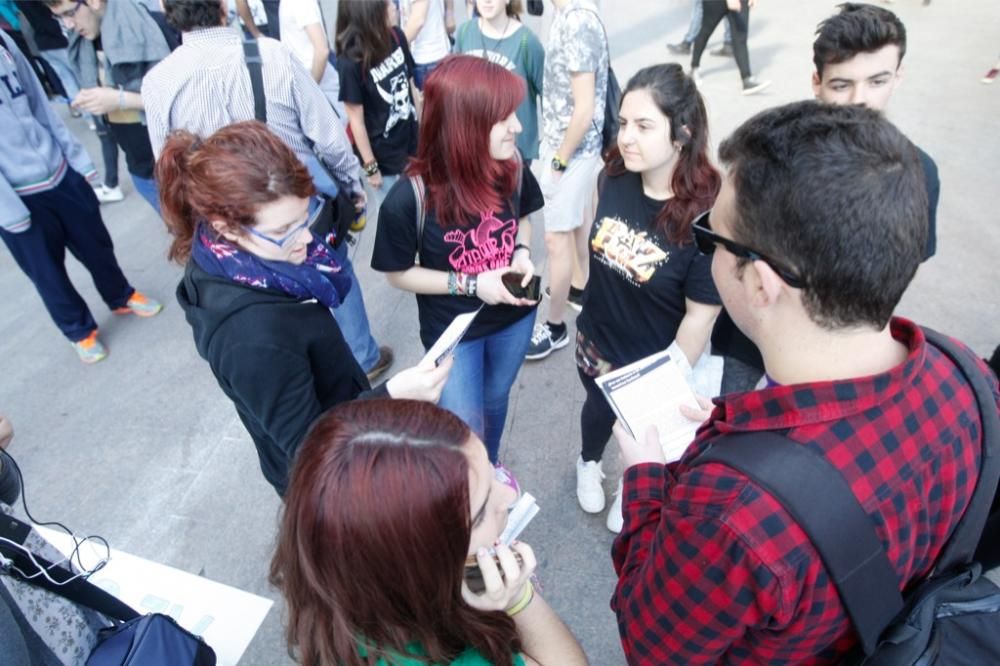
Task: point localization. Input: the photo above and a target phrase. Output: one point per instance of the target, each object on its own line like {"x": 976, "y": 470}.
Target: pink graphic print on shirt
{"x": 486, "y": 247}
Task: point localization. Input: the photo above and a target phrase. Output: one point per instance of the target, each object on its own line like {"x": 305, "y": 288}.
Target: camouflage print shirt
{"x": 576, "y": 44}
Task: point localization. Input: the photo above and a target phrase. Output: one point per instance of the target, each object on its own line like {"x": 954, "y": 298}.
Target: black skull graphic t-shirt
{"x": 384, "y": 92}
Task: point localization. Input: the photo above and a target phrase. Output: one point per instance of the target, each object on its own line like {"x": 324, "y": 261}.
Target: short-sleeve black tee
{"x": 484, "y": 245}
{"x": 384, "y": 92}
{"x": 634, "y": 300}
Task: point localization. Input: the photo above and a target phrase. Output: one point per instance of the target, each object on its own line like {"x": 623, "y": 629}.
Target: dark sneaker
{"x": 724, "y": 51}
{"x": 752, "y": 86}
{"x": 384, "y": 362}
{"x": 682, "y": 48}
{"x": 575, "y": 299}
{"x": 543, "y": 343}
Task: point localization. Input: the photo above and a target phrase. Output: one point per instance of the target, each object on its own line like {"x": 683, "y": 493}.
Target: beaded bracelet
{"x": 526, "y": 598}
{"x": 452, "y": 283}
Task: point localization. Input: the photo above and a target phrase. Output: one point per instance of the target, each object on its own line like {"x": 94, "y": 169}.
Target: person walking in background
{"x": 427, "y": 25}
{"x": 737, "y": 12}
{"x": 303, "y": 32}
{"x": 259, "y": 289}
{"x": 649, "y": 288}
{"x": 427, "y": 506}
{"x": 694, "y": 28}
{"x": 499, "y": 36}
{"x": 376, "y": 86}
{"x": 131, "y": 42}
{"x": 468, "y": 229}
{"x": 573, "y": 99}
{"x": 47, "y": 206}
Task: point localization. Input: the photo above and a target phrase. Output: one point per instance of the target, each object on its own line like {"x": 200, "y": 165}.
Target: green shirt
{"x": 470, "y": 657}
{"x": 522, "y": 54}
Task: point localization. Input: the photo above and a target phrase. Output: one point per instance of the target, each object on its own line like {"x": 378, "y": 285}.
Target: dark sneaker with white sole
{"x": 544, "y": 343}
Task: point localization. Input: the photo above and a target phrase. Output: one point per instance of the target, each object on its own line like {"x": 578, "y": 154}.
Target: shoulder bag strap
{"x": 961, "y": 546}
{"x": 417, "y": 183}
{"x": 76, "y": 589}
{"x": 251, "y": 55}
{"x": 819, "y": 499}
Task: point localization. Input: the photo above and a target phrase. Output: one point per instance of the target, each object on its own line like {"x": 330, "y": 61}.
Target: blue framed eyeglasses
{"x": 315, "y": 207}
{"x": 706, "y": 240}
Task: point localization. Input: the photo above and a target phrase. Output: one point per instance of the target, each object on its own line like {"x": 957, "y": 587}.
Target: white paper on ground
{"x": 450, "y": 338}
{"x": 226, "y": 617}
{"x": 650, "y": 392}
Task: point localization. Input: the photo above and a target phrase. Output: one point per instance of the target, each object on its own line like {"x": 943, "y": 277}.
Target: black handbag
{"x": 133, "y": 639}
{"x": 950, "y": 618}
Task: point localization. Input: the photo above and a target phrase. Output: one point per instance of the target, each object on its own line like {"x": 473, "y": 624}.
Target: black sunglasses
{"x": 706, "y": 239}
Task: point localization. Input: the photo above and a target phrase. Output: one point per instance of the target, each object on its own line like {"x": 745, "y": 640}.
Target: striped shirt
{"x": 204, "y": 85}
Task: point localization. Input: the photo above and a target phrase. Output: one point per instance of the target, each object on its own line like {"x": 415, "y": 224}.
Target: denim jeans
{"x": 478, "y": 388}
{"x": 697, "y": 12}
{"x": 421, "y": 72}
{"x": 352, "y": 317}
{"x": 146, "y": 187}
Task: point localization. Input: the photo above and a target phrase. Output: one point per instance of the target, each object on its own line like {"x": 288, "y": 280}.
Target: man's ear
{"x": 766, "y": 285}
{"x": 817, "y": 84}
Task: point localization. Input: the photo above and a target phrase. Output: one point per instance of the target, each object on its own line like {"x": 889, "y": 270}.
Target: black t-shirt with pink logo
{"x": 483, "y": 245}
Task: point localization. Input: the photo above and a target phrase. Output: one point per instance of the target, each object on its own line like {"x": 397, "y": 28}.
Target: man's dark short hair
{"x": 838, "y": 194}
{"x": 188, "y": 15}
{"x": 857, "y": 28}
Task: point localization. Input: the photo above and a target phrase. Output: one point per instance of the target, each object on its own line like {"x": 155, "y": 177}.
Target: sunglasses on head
{"x": 706, "y": 240}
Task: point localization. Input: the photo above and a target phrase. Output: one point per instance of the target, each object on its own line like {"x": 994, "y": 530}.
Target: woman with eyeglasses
{"x": 393, "y": 511}
{"x": 259, "y": 288}
{"x": 469, "y": 225}
{"x": 650, "y": 289}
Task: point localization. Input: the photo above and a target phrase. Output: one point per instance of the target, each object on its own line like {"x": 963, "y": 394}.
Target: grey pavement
{"x": 145, "y": 449}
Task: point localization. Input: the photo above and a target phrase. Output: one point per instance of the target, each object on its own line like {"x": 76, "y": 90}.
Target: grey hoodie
{"x": 36, "y": 148}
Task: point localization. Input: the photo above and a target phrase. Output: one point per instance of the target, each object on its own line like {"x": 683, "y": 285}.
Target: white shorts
{"x": 570, "y": 201}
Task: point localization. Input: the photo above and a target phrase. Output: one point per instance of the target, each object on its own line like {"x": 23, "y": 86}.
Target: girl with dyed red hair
{"x": 388, "y": 501}
{"x": 259, "y": 289}
{"x": 465, "y": 210}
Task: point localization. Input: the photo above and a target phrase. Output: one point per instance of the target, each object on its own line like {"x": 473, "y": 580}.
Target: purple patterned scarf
{"x": 319, "y": 276}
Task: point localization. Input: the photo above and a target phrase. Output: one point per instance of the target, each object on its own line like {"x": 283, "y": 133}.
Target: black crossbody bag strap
{"x": 251, "y": 54}
{"x": 79, "y": 590}
{"x": 818, "y": 498}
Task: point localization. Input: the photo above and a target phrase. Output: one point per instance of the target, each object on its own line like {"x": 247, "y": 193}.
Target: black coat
{"x": 282, "y": 361}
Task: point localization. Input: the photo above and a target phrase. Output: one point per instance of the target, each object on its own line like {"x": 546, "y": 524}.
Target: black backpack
{"x": 951, "y": 617}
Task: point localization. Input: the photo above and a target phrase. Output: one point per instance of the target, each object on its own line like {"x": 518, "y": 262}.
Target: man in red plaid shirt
{"x": 818, "y": 229}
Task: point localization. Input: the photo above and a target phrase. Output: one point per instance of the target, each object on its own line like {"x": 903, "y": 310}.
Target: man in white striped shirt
{"x": 205, "y": 85}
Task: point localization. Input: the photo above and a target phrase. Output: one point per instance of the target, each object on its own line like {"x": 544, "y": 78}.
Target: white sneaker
{"x": 589, "y": 491}
{"x": 615, "y": 518}
{"x": 107, "y": 194}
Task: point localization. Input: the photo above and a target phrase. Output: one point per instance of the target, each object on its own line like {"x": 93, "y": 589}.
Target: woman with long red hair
{"x": 389, "y": 502}
{"x": 259, "y": 289}
{"x": 649, "y": 288}
{"x": 465, "y": 210}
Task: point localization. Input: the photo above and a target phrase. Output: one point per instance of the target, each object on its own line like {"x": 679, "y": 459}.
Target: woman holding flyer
{"x": 649, "y": 288}
{"x": 464, "y": 211}
{"x": 259, "y": 289}
{"x": 405, "y": 487}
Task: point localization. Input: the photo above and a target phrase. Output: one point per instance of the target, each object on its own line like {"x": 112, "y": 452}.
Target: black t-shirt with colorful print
{"x": 483, "y": 245}
{"x": 634, "y": 300}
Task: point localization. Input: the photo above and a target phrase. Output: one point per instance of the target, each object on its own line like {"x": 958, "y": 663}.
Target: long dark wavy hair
{"x": 363, "y": 32}
{"x": 374, "y": 537}
{"x": 695, "y": 182}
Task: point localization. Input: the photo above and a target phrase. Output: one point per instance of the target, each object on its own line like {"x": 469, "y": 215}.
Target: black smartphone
{"x": 474, "y": 575}
{"x": 536, "y": 7}
{"x": 513, "y": 283}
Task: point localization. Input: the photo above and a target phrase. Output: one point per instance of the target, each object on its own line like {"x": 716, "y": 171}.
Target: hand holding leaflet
{"x": 450, "y": 338}
{"x": 651, "y": 392}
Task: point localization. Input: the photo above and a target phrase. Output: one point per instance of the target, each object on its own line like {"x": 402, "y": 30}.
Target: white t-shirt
{"x": 432, "y": 42}
{"x": 293, "y": 17}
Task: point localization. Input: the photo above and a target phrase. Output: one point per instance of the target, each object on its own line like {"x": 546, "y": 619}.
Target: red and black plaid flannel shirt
{"x": 713, "y": 569}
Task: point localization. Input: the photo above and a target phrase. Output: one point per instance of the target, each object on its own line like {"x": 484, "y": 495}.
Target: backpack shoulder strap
{"x": 419, "y": 194}
{"x": 251, "y": 55}
{"x": 962, "y": 543}
{"x": 819, "y": 499}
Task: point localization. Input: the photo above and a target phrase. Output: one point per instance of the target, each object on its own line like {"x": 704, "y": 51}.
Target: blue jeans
{"x": 352, "y": 317}
{"x": 146, "y": 187}
{"x": 420, "y": 73}
{"x": 478, "y": 388}
{"x": 697, "y": 12}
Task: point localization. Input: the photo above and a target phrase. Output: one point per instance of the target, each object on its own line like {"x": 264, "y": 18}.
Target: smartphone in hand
{"x": 474, "y": 575}
{"x": 513, "y": 283}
